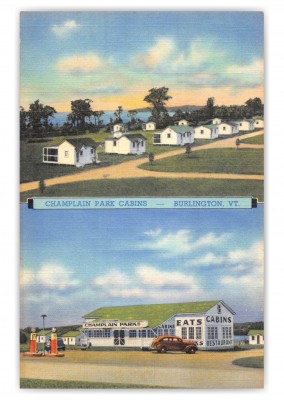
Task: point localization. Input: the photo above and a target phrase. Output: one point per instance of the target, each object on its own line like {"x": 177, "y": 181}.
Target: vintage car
{"x": 174, "y": 343}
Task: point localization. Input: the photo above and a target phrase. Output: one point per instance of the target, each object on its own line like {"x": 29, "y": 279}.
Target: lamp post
{"x": 43, "y": 316}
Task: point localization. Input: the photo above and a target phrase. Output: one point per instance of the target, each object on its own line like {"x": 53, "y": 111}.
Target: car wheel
{"x": 163, "y": 350}
{"x": 192, "y": 350}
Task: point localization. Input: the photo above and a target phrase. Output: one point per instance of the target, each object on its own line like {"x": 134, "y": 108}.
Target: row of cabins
{"x": 80, "y": 152}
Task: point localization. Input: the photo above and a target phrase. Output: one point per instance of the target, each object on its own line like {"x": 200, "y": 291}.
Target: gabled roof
{"x": 79, "y": 143}
{"x": 254, "y": 332}
{"x": 131, "y": 136}
{"x": 210, "y": 126}
{"x": 155, "y": 314}
{"x": 181, "y": 128}
{"x": 71, "y": 334}
{"x": 228, "y": 123}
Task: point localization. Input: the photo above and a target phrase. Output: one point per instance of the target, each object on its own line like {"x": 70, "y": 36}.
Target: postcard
{"x": 142, "y": 172}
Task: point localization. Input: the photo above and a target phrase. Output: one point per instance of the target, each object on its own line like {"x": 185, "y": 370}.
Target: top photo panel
{"x": 130, "y": 104}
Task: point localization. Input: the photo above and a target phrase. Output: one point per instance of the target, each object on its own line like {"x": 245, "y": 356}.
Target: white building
{"x": 216, "y": 121}
{"x": 126, "y": 144}
{"x": 118, "y": 128}
{"x": 206, "y": 132}
{"x": 182, "y": 122}
{"x": 258, "y": 123}
{"x": 245, "y": 125}
{"x": 256, "y": 337}
{"x": 72, "y": 338}
{"x": 210, "y": 323}
{"x": 176, "y": 135}
{"x": 228, "y": 128}
{"x": 77, "y": 152}
{"x": 149, "y": 126}
{"x": 43, "y": 336}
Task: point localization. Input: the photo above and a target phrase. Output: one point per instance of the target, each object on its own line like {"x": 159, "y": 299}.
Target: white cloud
{"x": 156, "y": 54}
{"x": 65, "y": 28}
{"x": 49, "y": 276}
{"x": 182, "y": 242}
{"x": 113, "y": 278}
{"x": 84, "y": 63}
{"x": 207, "y": 259}
{"x": 154, "y": 277}
{"x": 153, "y": 233}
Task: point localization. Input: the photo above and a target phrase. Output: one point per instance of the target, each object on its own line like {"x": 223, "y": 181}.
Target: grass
{"x": 250, "y": 362}
{"x": 228, "y": 161}
{"x": 259, "y": 139}
{"x": 153, "y": 187}
{"x": 33, "y": 169}
{"x": 26, "y": 383}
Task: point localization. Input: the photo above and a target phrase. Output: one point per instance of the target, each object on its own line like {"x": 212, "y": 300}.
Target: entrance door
{"x": 258, "y": 339}
{"x": 119, "y": 339}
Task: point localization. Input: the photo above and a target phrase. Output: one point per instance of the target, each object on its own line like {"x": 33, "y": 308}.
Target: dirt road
{"x": 179, "y": 370}
{"x": 130, "y": 169}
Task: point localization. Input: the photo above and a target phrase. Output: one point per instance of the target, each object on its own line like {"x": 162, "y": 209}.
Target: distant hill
{"x": 242, "y": 328}
{"x": 173, "y": 109}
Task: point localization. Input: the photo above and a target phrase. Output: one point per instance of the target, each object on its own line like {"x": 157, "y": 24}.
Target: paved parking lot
{"x": 177, "y": 370}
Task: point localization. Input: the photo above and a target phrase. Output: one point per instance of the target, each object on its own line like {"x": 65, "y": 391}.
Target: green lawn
{"x": 259, "y": 139}
{"x": 250, "y": 362}
{"x": 154, "y": 187}
{"x": 57, "y": 384}
{"x": 229, "y": 161}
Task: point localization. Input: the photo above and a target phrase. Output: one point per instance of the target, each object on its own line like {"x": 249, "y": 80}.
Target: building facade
{"x": 206, "y": 132}
{"x": 149, "y": 126}
{"x": 256, "y": 337}
{"x": 78, "y": 152}
{"x": 209, "y": 323}
{"x": 177, "y": 135}
{"x": 227, "y": 128}
{"x": 126, "y": 144}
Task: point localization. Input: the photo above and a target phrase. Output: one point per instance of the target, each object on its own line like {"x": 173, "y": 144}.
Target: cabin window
{"x": 227, "y": 332}
{"x": 198, "y": 332}
{"x": 133, "y": 144}
{"x": 50, "y": 154}
{"x": 252, "y": 338}
{"x": 168, "y": 135}
{"x": 66, "y": 154}
{"x": 212, "y": 332}
{"x": 191, "y": 332}
{"x": 202, "y": 131}
{"x": 81, "y": 152}
{"x": 114, "y": 143}
{"x": 241, "y": 124}
{"x": 224, "y": 128}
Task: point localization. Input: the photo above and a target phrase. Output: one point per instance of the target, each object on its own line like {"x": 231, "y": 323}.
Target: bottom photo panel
{"x": 142, "y": 298}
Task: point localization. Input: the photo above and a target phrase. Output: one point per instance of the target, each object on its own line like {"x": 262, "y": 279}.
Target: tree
{"x": 132, "y": 115}
{"x": 97, "y": 115}
{"x": 118, "y": 113}
{"x": 254, "y": 106}
{"x": 210, "y": 107}
{"x": 80, "y": 110}
{"x": 23, "y": 121}
{"x": 151, "y": 158}
{"x": 158, "y": 97}
{"x": 38, "y": 116}
{"x": 188, "y": 150}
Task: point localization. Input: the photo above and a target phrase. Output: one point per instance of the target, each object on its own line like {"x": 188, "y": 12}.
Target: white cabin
{"x": 245, "y": 125}
{"x": 177, "y": 135}
{"x": 216, "y": 121}
{"x": 73, "y": 338}
{"x": 258, "y": 123}
{"x": 149, "y": 126}
{"x": 206, "y": 132}
{"x": 118, "y": 128}
{"x": 256, "y": 337}
{"x": 77, "y": 152}
{"x": 228, "y": 128}
{"x": 182, "y": 122}
{"x": 126, "y": 144}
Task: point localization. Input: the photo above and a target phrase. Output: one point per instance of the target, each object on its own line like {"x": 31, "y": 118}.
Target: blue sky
{"x": 115, "y": 58}
{"x": 73, "y": 262}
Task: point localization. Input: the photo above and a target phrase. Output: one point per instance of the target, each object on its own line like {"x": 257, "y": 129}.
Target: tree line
{"x": 37, "y": 120}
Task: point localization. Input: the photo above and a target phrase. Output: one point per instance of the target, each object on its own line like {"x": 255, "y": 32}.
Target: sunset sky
{"x": 115, "y": 58}
{"x": 73, "y": 262}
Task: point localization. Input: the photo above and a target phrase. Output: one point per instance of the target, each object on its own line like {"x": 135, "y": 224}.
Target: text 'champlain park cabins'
{"x": 210, "y": 323}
